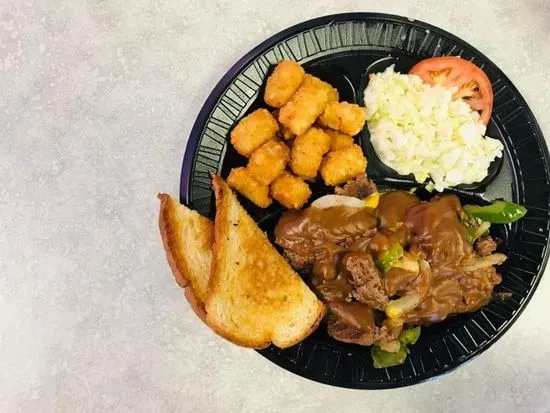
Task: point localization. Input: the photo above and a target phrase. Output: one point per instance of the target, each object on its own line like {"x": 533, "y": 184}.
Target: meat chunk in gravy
{"x": 485, "y": 246}
{"x": 343, "y": 327}
{"x": 340, "y": 246}
{"x": 360, "y": 187}
{"x": 366, "y": 280}
{"x": 341, "y": 331}
{"x": 299, "y": 262}
{"x": 352, "y": 323}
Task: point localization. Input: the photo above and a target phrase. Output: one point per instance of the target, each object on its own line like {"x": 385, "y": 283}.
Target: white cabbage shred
{"x": 418, "y": 128}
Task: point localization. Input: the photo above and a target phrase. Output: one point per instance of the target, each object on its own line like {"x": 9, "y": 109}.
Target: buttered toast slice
{"x": 255, "y": 297}
{"x": 188, "y": 238}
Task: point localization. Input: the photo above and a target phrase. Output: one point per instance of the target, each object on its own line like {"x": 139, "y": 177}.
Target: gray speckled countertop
{"x": 97, "y": 98}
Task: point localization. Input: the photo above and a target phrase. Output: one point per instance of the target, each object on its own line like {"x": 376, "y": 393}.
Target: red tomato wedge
{"x": 473, "y": 84}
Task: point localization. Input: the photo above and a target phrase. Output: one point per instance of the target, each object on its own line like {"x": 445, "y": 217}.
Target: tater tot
{"x": 342, "y": 165}
{"x": 338, "y": 140}
{"x": 253, "y": 130}
{"x": 305, "y": 106}
{"x": 268, "y": 161}
{"x": 283, "y": 82}
{"x": 345, "y": 117}
{"x": 241, "y": 180}
{"x": 290, "y": 191}
{"x": 333, "y": 95}
{"x": 307, "y": 152}
{"x": 284, "y": 132}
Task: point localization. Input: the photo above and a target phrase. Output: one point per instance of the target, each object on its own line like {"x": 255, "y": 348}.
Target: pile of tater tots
{"x": 307, "y": 133}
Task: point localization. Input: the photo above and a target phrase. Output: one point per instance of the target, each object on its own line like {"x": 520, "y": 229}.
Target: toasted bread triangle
{"x": 255, "y": 298}
{"x": 188, "y": 238}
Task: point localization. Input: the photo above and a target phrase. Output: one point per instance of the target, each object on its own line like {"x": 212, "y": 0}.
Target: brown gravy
{"x": 429, "y": 230}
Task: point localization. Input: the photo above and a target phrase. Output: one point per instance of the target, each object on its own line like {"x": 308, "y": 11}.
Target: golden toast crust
{"x": 169, "y": 217}
{"x": 169, "y": 240}
{"x": 220, "y": 240}
{"x": 224, "y": 198}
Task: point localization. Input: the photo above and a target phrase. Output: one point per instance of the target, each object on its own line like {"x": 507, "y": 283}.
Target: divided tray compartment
{"x": 342, "y": 50}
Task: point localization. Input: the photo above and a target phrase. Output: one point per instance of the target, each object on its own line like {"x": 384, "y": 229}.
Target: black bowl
{"x": 343, "y": 49}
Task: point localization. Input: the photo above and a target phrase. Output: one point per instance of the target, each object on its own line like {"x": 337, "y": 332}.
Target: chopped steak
{"x": 389, "y": 331}
{"x": 298, "y": 262}
{"x": 332, "y": 292}
{"x": 477, "y": 287}
{"x": 360, "y": 187}
{"x": 339, "y": 245}
{"x": 347, "y": 243}
{"x": 386, "y": 335}
{"x": 358, "y": 243}
{"x": 343, "y": 332}
{"x": 344, "y": 325}
{"x": 366, "y": 279}
{"x": 372, "y": 296}
{"x": 485, "y": 246}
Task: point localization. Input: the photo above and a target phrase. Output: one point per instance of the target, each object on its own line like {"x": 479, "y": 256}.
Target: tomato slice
{"x": 473, "y": 84}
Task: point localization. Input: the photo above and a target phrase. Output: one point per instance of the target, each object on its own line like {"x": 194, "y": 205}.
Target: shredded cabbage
{"x": 418, "y": 128}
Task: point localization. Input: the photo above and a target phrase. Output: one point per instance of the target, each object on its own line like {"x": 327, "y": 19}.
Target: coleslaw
{"x": 419, "y": 129}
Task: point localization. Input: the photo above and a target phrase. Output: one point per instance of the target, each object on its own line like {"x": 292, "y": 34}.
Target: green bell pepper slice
{"x": 499, "y": 212}
{"x": 409, "y": 336}
{"x": 388, "y": 258}
{"x": 383, "y": 359}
